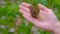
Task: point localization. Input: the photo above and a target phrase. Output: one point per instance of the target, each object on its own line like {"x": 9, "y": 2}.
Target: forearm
{"x": 57, "y": 28}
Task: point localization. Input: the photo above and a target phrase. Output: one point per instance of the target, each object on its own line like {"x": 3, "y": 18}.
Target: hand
{"x": 49, "y": 17}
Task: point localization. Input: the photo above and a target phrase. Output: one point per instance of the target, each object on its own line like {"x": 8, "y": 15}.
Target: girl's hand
{"x": 49, "y": 17}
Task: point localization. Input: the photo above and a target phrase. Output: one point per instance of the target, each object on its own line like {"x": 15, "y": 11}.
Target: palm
{"x": 49, "y": 17}
{"x": 49, "y": 20}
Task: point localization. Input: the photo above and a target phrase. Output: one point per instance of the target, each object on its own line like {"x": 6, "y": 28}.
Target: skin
{"x": 50, "y": 21}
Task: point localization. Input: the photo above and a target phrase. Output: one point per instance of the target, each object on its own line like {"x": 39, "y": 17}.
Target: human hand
{"x": 49, "y": 17}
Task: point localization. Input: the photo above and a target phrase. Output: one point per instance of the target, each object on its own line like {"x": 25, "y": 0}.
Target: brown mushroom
{"x": 35, "y": 12}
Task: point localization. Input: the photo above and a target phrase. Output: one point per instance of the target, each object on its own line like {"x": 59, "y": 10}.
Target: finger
{"x": 23, "y": 12}
{"x": 25, "y": 8}
{"x": 42, "y": 7}
{"x": 26, "y": 4}
{"x": 45, "y": 9}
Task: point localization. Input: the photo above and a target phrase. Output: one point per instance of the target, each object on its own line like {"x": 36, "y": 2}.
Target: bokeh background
{"x": 12, "y": 21}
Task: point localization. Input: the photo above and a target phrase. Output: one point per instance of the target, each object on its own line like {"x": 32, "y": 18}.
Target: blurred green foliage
{"x": 10, "y": 10}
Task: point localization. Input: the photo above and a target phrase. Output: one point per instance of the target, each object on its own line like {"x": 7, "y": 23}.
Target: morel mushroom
{"x": 35, "y": 12}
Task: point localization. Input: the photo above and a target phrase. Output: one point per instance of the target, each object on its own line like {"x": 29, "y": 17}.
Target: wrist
{"x": 57, "y": 28}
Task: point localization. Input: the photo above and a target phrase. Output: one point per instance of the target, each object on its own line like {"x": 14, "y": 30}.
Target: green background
{"x": 9, "y": 16}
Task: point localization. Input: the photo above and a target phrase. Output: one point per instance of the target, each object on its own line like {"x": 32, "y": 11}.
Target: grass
{"x": 10, "y": 13}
